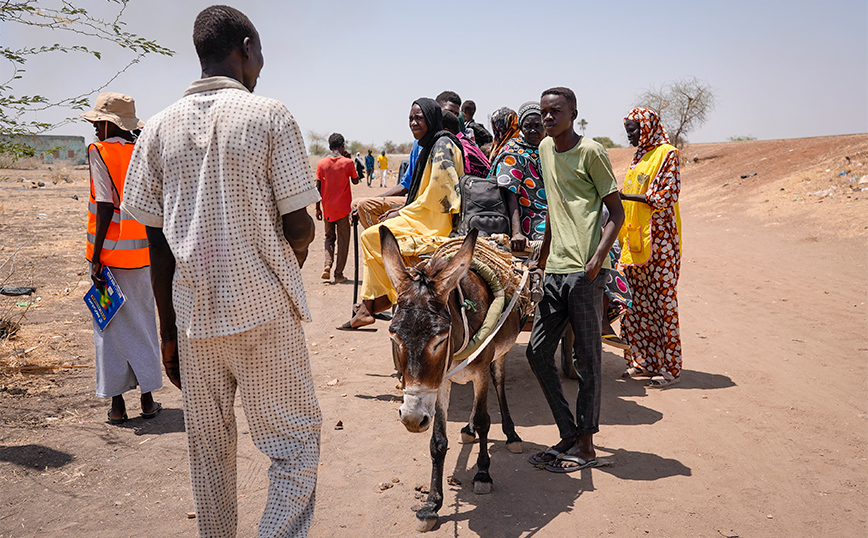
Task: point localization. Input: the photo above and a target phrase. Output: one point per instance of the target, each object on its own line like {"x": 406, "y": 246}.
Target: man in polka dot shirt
{"x": 221, "y": 180}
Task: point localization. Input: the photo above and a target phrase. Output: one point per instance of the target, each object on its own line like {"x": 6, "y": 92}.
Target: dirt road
{"x": 765, "y": 436}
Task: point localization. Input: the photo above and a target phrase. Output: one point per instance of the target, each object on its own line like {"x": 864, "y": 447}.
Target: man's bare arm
{"x": 299, "y": 231}
{"x": 610, "y": 233}
{"x": 162, "y": 274}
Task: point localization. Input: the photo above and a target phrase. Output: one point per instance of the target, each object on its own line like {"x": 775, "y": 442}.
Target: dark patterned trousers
{"x": 570, "y": 298}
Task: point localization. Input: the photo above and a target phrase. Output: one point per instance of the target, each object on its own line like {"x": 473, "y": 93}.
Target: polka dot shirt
{"x": 215, "y": 171}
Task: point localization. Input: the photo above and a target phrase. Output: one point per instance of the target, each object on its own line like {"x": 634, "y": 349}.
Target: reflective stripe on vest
{"x": 635, "y": 234}
{"x": 126, "y": 242}
{"x": 117, "y": 217}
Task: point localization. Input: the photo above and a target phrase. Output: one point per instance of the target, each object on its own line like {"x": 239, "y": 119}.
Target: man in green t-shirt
{"x": 578, "y": 181}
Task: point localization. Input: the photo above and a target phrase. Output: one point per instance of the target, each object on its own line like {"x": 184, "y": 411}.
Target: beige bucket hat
{"x": 117, "y": 108}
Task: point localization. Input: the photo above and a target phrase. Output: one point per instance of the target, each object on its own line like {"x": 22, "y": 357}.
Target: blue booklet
{"x": 104, "y": 305}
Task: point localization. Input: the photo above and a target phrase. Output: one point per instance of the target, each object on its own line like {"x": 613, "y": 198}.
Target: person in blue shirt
{"x": 369, "y": 167}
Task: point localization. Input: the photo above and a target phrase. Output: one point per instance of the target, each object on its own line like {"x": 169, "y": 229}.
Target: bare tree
{"x": 77, "y": 22}
{"x": 683, "y": 106}
{"x": 317, "y": 144}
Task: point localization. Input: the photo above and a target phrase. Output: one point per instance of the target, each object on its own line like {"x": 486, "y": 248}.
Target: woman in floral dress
{"x": 651, "y": 251}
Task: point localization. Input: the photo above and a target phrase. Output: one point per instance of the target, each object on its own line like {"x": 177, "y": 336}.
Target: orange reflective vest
{"x": 635, "y": 235}
{"x": 126, "y": 243}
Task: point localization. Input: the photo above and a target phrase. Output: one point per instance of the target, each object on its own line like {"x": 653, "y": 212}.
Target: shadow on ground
{"x": 549, "y": 496}
{"x": 35, "y": 457}
{"x": 167, "y": 421}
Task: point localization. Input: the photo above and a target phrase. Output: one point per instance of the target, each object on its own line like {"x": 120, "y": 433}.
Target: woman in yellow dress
{"x": 425, "y": 222}
{"x": 651, "y": 251}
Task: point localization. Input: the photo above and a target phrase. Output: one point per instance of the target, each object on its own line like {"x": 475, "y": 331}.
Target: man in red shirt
{"x": 333, "y": 175}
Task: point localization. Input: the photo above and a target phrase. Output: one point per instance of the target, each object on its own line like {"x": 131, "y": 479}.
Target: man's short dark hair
{"x": 469, "y": 108}
{"x": 336, "y": 140}
{"x": 448, "y": 97}
{"x": 218, "y": 31}
{"x": 450, "y": 122}
{"x": 566, "y": 93}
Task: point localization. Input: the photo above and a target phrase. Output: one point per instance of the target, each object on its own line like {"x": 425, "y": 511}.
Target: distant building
{"x": 54, "y": 148}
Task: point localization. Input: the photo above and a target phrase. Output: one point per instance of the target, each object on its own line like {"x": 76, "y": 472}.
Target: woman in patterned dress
{"x": 504, "y": 126}
{"x": 651, "y": 251}
{"x": 516, "y": 169}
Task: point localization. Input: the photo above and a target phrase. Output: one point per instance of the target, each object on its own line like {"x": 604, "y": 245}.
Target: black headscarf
{"x": 434, "y": 121}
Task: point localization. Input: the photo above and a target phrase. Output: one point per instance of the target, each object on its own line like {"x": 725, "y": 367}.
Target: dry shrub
{"x": 26, "y": 163}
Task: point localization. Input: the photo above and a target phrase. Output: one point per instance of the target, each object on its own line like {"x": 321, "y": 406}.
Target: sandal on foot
{"x": 116, "y": 421}
{"x": 659, "y": 382}
{"x": 633, "y": 372}
{"x": 157, "y": 408}
{"x": 326, "y": 273}
{"x": 615, "y": 313}
{"x": 615, "y": 341}
{"x": 347, "y": 327}
{"x": 580, "y": 463}
{"x": 382, "y": 316}
{"x": 546, "y": 457}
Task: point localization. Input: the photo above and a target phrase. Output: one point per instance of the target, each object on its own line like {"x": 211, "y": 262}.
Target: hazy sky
{"x": 778, "y": 69}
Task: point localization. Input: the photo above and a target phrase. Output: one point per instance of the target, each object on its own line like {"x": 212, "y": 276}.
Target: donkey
{"x": 425, "y": 330}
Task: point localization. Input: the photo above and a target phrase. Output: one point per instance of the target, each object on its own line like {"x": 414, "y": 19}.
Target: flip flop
{"x": 659, "y": 382}
{"x": 347, "y": 327}
{"x": 633, "y": 372}
{"x": 382, "y": 316}
{"x": 152, "y": 414}
{"x": 116, "y": 421}
{"x": 615, "y": 341}
{"x": 541, "y": 459}
{"x": 580, "y": 463}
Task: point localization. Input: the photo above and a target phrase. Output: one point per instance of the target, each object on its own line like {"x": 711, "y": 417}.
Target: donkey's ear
{"x": 392, "y": 259}
{"x": 448, "y": 277}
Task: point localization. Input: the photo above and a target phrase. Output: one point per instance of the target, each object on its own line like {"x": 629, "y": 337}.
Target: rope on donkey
{"x": 496, "y": 268}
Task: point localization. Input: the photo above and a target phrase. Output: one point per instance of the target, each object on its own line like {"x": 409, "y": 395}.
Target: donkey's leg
{"x": 498, "y": 374}
{"x": 482, "y": 422}
{"x": 468, "y": 432}
{"x": 426, "y": 517}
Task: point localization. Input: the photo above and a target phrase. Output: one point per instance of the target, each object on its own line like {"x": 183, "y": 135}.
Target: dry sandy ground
{"x": 765, "y": 436}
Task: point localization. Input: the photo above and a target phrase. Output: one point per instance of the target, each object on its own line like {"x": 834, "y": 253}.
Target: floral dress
{"x": 517, "y": 170}
{"x": 651, "y": 326}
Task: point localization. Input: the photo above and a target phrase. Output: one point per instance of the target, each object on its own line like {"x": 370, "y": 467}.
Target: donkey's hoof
{"x": 468, "y": 436}
{"x": 425, "y": 520}
{"x": 482, "y": 488}
{"x": 515, "y": 448}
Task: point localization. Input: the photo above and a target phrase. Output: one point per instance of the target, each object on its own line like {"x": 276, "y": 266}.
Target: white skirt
{"x": 128, "y": 350}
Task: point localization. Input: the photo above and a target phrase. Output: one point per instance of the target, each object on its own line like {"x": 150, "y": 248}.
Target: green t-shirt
{"x": 575, "y": 182}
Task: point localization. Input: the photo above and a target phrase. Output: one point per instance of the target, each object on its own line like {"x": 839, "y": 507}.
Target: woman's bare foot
{"x": 367, "y": 308}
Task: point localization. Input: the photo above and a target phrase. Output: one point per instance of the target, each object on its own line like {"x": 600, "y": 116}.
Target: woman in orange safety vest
{"x": 127, "y": 352}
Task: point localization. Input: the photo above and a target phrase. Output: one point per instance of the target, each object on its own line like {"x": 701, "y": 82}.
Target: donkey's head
{"x": 421, "y": 329}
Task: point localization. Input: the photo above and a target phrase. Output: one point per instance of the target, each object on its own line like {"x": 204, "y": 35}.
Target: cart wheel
{"x": 567, "y": 354}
